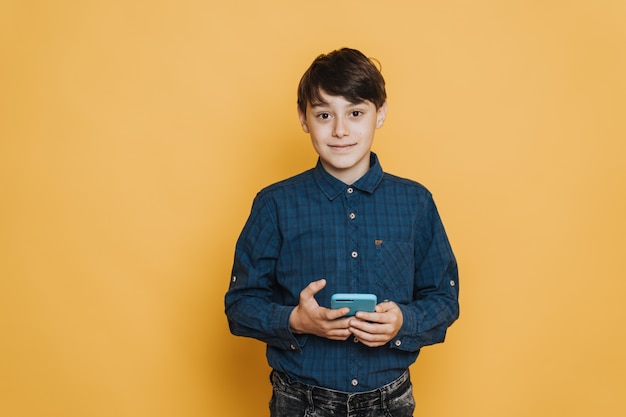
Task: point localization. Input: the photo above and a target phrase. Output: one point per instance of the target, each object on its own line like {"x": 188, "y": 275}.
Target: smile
{"x": 342, "y": 146}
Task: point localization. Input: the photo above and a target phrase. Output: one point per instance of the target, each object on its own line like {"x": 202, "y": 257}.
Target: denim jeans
{"x": 294, "y": 399}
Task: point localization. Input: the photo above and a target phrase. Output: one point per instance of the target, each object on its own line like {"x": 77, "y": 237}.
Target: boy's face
{"x": 342, "y": 134}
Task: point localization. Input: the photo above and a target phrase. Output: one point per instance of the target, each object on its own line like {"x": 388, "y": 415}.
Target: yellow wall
{"x": 134, "y": 135}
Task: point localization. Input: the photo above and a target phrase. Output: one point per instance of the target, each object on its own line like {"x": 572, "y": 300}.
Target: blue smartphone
{"x": 356, "y": 302}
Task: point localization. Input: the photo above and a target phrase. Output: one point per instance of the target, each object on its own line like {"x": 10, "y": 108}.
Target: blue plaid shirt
{"x": 380, "y": 235}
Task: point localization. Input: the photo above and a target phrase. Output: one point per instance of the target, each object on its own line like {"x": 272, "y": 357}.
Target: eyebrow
{"x": 323, "y": 103}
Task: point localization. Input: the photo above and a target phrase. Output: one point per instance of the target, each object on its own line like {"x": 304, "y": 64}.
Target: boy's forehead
{"x": 325, "y": 99}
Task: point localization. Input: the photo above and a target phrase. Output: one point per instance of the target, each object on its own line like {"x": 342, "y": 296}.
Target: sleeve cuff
{"x": 285, "y": 338}
{"x": 407, "y": 338}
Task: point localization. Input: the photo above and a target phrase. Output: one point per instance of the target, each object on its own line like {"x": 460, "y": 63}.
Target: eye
{"x": 324, "y": 116}
{"x": 356, "y": 113}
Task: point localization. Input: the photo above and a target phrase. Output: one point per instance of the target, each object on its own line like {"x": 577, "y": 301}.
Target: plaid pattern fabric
{"x": 380, "y": 235}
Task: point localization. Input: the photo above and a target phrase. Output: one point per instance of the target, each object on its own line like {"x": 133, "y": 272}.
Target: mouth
{"x": 343, "y": 146}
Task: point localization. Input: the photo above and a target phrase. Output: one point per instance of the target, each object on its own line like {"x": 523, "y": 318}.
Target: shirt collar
{"x": 333, "y": 187}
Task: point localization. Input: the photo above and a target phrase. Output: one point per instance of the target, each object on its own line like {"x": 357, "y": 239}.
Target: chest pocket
{"x": 395, "y": 268}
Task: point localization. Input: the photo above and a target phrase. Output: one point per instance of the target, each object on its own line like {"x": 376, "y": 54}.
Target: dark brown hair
{"x": 344, "y": 72}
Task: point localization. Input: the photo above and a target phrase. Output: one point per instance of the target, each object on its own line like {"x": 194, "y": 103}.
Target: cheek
{"x": 318, "y": 132}
{"x": 315, "y": 141}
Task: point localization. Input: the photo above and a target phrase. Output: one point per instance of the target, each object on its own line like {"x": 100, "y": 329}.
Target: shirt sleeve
{"x": 436, "y": 287}
{"x": 250, "y": 302}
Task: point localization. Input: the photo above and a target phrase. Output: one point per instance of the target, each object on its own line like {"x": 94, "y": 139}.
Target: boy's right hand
{"x": 309, "y": 318}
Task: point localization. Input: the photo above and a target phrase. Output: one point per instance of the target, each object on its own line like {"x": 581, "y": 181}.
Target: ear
{"x": 302, "y": 118}
{"x": 381, "y": 115}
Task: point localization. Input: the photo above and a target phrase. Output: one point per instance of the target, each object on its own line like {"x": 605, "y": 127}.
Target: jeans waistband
{"x": 398, "y": 386}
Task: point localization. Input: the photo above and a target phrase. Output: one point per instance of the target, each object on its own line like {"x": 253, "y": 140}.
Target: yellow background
{"x": 134, "y": 135}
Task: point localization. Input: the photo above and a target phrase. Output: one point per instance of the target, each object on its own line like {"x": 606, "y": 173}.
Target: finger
{"x": 367, "y": 327}
{"x": 373, "y": 344}
{"x": 313, "y": 288}
{"x": 334, "y": 314}
{"x": 385, "y": 306}
{"x": 337, "y": 329}
{"x": 371, "y": 317}
{"x": 343, "y": 335}
{"x": 367, "y": 338}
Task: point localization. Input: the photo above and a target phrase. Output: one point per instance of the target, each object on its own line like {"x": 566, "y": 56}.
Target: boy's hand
{"x": 308, "y": 317}
{"x": 378, "y": 328}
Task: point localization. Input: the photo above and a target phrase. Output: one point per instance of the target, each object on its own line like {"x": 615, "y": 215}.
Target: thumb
{"x": 313, "y": 288}
{"x": 384, "y": 306}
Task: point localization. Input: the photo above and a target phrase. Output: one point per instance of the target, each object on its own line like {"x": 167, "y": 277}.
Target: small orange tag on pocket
{"x": 378, "y": 242}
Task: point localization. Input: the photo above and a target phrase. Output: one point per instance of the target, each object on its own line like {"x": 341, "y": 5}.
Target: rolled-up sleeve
{"x": 435, "y": 303}
{"x": 250, "y": 304}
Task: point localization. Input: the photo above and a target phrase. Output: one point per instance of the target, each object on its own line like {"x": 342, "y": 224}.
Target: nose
{"x": 340, "y": 129}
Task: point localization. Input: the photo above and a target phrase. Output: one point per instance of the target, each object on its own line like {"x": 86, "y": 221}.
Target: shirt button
{"x": 350, "y": 190}
{"x": 234, "y": 278}
{"x": 355, "y": 382}
{"x": 352, "y": 216}
{"x": 354, "y": 254}
{"x": 398, "y": 342}
{"x": 292, "y": 347}
{"x": 356, "y": 340}
{"x": 452, "y": 283}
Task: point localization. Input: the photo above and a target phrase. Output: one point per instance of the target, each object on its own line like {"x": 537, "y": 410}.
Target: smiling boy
{"x": 344, "y": 226}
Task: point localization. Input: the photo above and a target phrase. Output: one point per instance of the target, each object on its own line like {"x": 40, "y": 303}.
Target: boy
{"x": 344, "y": 226}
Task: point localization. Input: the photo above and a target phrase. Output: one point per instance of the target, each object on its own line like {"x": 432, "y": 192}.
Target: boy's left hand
{"x": 378, "y": 328}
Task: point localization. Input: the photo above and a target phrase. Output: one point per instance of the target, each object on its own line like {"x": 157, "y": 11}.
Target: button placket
{"x": 351, "y": 199}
